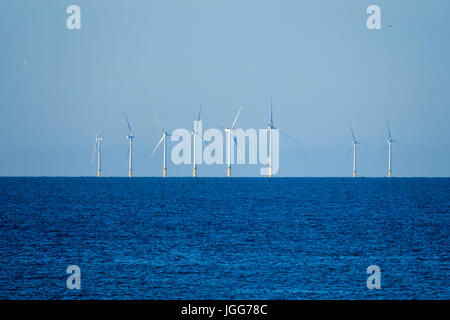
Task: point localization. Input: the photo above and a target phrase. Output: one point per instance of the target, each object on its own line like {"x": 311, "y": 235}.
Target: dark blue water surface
{"x": 218, "y": 238}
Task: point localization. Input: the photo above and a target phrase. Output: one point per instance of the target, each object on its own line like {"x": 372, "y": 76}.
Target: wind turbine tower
{"x": 163, "y": 140}
{"x": 354, "y": 142}
{"x": 195, "y": 132}
{"x": 389, "y": 141}
{"x": 130, "y": 138}
{"x": 270, "y": 127}
{"x": 98, "y": 151}
{"x": 229, "y": 133}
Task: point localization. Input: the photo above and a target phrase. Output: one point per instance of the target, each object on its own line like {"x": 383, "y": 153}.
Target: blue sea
{"x": 219, "y": 238}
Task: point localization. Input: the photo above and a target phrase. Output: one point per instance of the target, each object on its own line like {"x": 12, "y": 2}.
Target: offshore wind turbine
{"x": 229, "y": 132}
{"x": 271, "y": 127}
{"x": 389, "y": 141}
{"x": 354, "y": 142}
{"x": 163, "y": 140}
{"x": 98, "y": 151}
{"x": 130, "y": 138}
{"x": 195, "y": 132}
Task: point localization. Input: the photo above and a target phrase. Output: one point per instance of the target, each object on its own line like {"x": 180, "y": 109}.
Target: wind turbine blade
{"x": 289, "y": 137}
{"x": 234, "y": 138}
{"x": 235, "y": 142}
{"x": 130, "y": 131}
{"x": 351, "y": 129}
{"x": 271, "y": 113}
{"x": 93, "y": 153}
{"x": 160, "y": 141}
{"x": 383, "y": 151}
{"x": 157, "y": 121}
{"x": 199, "y": 113}
{"x": 235, "y": 119}
{"x": 348, "y": 154}
{"x": 198, "y": 119}
{"x": 389, "y": 129}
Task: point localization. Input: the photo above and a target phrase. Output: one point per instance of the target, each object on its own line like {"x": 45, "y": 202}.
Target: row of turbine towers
{"x": 230, "y": 135}
{"x": 389, "y": 141}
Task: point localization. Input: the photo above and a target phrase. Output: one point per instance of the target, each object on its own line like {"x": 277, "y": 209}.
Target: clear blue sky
{"x": 316, "y": 58}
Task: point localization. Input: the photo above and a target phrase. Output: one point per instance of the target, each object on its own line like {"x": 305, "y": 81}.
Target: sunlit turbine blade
{"x": 235, "y": 119}
{"x": 160, "y": 141}
{"x": 130, "y": 131}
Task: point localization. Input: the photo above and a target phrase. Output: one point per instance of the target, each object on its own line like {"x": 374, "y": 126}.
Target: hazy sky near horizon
{"x": 317, "y": 59}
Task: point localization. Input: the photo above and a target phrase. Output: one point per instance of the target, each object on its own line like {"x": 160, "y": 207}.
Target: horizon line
{"x": 235, "y": 177}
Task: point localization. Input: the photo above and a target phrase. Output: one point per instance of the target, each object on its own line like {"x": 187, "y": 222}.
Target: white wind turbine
{"x": 354, "y": 142}
{"x": 389, "y": 141}
{"x": 163, "y": 140}
{"x": 271, "y": 127}
{"x": 195, "y": 132}
{"x": 98, "y": 151}
{"x": 130, "y": 138}
{"x": 229, "y": 132}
